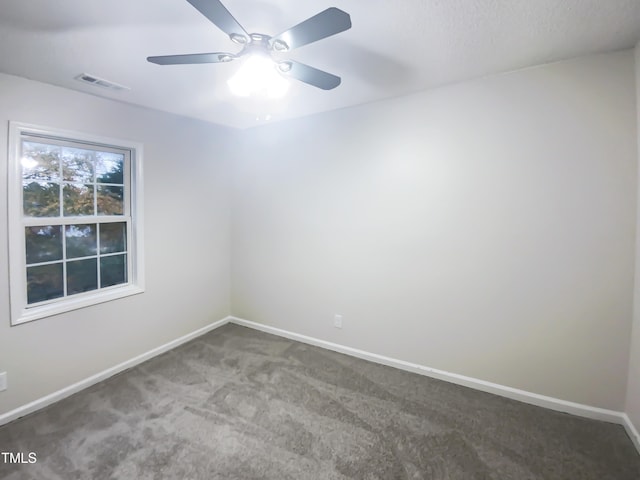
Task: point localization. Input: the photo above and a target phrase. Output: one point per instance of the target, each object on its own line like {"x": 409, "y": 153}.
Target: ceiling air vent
{"x": 100, "y": 82}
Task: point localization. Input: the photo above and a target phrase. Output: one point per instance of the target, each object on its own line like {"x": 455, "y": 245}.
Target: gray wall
{"x": 633, "y": 388}
{"x": 186, "y": 179}
{"x": 486, "y": 228}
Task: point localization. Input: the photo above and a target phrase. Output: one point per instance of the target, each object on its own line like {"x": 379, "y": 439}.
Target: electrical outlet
{"x": 337, "y": 321}
{"x": 3, "y": 381}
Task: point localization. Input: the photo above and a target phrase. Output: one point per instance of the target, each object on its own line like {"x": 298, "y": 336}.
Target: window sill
{"x": 85, "y": 300}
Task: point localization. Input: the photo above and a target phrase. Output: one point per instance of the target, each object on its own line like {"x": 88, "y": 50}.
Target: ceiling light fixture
{"x": 258, "y": 76}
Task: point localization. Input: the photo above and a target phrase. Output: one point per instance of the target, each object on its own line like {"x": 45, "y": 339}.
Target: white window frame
{"x": 21, "y": 312}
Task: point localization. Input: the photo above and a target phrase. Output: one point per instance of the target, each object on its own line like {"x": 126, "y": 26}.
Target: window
{"x": 75, "y": 220}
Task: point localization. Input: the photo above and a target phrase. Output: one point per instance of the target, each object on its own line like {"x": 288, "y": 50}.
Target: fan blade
{"x": 322, "y": 25}
{"x": 217, "y": 57}
{"x": 310, "y": 75}
{"x": 218, "y": 14}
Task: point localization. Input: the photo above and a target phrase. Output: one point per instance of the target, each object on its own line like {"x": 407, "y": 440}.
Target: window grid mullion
{"x": 64, "y": 259}
{"x": 95, "y": 188}
{"x": 60, "y": 185}
{"x": 95, "y": 212}
{"x": 113, "y": 254}
{"x": 98, "y": 254}
{"x": 42, "y": 264}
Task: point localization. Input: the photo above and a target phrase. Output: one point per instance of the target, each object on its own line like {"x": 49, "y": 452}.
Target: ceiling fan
{"x": 325, "y": 24}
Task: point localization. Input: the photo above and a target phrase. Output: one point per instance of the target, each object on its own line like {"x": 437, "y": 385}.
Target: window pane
{"x": 77, "y": 165}
{"x": 113, "y": 237}
{"x": 109, "y": 167}
{"x": 113, "y": 270}
{"x": 40, "y": 162}
{"x": 82, "y": 276}
{"x": 44, "y": 282}
{"x": 110, "y": 200}
{"x": 81, "y": 240}
{"x": 43, "y": 244}
{"x": 41, "y": 199}
{"x": 78, "y": 199}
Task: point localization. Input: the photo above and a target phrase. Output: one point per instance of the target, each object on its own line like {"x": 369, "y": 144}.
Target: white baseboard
{"x": 497, "y": 389}
{"x": 631, "y": 431}
{"x": 109, "y": 372}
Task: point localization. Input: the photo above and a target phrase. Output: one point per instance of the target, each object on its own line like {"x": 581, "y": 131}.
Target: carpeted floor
{"x": 241, "y": 404}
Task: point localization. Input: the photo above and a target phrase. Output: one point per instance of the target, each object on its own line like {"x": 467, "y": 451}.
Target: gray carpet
{"x": 241, "y": 404}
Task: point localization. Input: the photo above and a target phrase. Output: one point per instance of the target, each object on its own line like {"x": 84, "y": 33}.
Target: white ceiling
{"x": 394, "y": 47}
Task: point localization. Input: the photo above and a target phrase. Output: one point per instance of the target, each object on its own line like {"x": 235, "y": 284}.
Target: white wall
{"x": 486, "y": 228}
{"x": 186, "y": 179}
{"x": 633, "y": 387}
